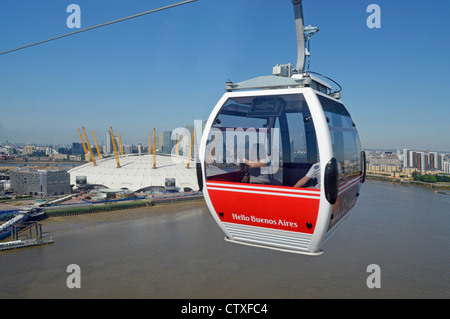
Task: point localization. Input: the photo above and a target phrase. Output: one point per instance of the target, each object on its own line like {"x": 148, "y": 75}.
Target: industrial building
{"x": 42, "y": 182}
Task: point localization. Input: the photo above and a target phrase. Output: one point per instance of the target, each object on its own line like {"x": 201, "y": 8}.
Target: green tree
{"x": 429, "y": 178}
{"x": 443, "y": 179}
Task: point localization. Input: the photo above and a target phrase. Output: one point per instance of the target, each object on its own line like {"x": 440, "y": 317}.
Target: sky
{"x": 169, "y": 68}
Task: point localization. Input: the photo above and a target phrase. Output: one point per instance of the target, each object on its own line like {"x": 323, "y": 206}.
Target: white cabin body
{"x": 258, "y": 144}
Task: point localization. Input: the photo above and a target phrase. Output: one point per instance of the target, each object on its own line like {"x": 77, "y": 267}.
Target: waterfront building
{"x": 28, "y": 181}
{"x": 433, "y": 162}
{"x": 424, "y": 161}
{"x": 405, "y": 157}
{"x": 408, "y": 170}
{"x": 441, "y": 161}
{"x": 446, "y": 167}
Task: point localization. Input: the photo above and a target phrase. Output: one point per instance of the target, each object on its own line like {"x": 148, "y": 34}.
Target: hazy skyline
{"x": 169, "y": 68}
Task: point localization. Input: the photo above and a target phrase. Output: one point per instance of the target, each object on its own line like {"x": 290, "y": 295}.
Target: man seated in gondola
{"x": 313, "y": 173}
{"x": 252, "y": 170}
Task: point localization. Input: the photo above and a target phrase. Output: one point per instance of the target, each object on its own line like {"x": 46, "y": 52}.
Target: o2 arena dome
{"x": 138, "y": 173}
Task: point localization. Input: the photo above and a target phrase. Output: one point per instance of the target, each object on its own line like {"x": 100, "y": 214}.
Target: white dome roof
{"x": 137, "y": 172}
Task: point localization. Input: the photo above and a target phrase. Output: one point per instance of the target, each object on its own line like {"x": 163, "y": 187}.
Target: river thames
{"x": 178, "y": 251}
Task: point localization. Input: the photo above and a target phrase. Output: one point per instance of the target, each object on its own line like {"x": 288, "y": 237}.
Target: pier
{"x": 26, "y": 239}
{"x": 25, "y": 243}
{"x": 10, "y": 223}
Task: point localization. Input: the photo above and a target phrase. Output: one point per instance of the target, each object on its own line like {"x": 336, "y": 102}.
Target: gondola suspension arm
{"x": 299, "y": 26}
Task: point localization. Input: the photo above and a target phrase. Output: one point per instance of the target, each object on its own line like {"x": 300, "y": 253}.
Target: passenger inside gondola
{"x": 313, "y": 173}
{"x": 252, "y": 172}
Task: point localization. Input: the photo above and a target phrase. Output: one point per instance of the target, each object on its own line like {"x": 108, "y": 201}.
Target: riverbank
{"x": 117, "y": 206}
{"x": 409, "y": 182}
{"x": 130, "y": 214}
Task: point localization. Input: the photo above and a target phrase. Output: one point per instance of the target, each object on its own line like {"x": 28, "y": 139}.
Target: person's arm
{"x": 302, "y": 181}
{"x": 255, "y": 165}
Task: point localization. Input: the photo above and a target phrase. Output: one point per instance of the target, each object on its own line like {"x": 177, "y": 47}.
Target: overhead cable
{"x": 100, "y": 25}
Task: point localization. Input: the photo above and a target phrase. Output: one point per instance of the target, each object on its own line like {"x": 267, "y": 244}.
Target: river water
{"x": 177, "y": 251}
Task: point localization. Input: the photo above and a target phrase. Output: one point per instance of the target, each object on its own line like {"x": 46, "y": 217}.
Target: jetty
{"x": 30, "y": 230}
{"x": 13, "y": 244}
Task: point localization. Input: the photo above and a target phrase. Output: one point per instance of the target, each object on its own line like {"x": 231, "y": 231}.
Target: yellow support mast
{"x": 149, "y": 145}
{"x": 96, "y": 145}
{"x": 120, "y": 144}
{"x": 190, "y": 150}
{"x": 212, "y": 152}
{"x": 89, "y": 147}
{"x": 154, "y": 149}
{"x": 115, "y": 148}
{"x": 84, "y": 147}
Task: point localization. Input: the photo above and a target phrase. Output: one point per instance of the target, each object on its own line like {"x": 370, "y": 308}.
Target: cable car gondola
{"x": 281, "y": 159}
